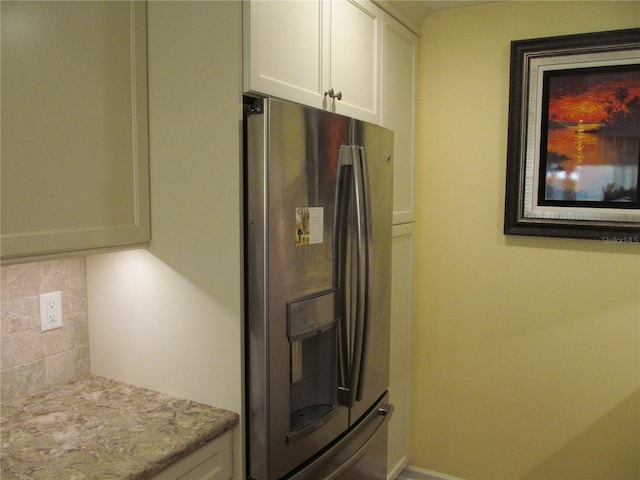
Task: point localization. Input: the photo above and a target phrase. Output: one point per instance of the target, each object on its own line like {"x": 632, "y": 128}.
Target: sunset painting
{"x": 590, "y": 145}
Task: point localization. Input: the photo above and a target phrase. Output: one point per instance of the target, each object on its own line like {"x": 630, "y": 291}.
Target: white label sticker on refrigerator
{"x": 309, "y": 225}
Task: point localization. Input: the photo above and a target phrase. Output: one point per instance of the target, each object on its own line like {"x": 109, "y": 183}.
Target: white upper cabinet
{"x": 75, "y": 167}
{"x": 284, "y": 53}
{"x": 399, "y": 59}
{"x": 321, "y": 53}
{"x": 355, "y": 40}
{"x": 346, "y": 56}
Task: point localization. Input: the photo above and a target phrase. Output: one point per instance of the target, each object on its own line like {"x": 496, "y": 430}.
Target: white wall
{"x": 170, "y": 318}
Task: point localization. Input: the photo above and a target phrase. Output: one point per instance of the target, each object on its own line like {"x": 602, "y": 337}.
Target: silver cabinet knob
{"x": 332, "y": 94}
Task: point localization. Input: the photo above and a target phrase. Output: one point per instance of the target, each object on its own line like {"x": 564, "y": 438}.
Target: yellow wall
{"x": 526, "y": 351}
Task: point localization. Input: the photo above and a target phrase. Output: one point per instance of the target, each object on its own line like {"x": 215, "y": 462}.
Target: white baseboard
{"x": 397, "y": 470}
{"x": 415, "y": 473}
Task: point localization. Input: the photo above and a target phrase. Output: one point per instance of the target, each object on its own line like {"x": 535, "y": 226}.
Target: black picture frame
{"x": 569, "y": 176}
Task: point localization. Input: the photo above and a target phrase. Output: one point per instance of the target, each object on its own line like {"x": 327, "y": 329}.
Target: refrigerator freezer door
{"x": 359, "y": 455}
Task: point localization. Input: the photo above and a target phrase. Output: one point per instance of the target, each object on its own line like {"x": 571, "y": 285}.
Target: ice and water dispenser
{"x": 311, "y": 328}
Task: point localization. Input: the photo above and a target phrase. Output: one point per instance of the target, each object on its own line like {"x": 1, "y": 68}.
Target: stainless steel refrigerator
{"x": 318, "y": 207}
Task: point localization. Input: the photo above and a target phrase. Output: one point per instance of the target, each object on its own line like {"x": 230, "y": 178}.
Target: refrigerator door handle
{"x": 343, "y": 191}
{"x": 354, "y": 331}
{"x": 363, "y": 207}
{"x": 348, "y": 342}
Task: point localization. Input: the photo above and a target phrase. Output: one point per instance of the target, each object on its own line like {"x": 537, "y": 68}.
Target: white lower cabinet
{"x": 211, "y": 462}
{"x": 400, "y": 348}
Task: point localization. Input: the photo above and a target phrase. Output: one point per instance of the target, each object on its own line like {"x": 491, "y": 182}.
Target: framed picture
{"x": 573, "y": 153}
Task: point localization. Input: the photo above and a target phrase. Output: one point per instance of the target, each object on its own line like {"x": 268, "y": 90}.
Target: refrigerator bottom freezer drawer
{"x": 365, "y": 440}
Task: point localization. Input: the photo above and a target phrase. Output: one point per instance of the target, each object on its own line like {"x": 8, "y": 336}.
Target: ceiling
{"x": 413, "y": 12}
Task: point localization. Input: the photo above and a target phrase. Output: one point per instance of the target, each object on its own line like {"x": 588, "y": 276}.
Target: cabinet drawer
{"x": 211, "y": 462}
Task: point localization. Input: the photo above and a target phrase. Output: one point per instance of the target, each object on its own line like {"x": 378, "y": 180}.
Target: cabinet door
{"x": 285, "y": 54}
{"x": 210, "y": 462}
{"x": 74, "y": 127}
{"x": 355, "y": 58}
{"x": 400, "y": 348}
{"x": 398, "y": 111}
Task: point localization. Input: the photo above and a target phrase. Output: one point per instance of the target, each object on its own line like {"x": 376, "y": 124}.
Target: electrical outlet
{"x": 50, "y": 311}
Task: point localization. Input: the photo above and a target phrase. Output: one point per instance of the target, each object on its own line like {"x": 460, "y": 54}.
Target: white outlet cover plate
{"x": 50, "y": 311}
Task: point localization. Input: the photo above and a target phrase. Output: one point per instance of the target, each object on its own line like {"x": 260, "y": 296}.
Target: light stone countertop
{"x": 95, "y": 428}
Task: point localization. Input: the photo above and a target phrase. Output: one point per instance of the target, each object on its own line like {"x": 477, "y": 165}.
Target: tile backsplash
{"x": 31, "y": 360}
